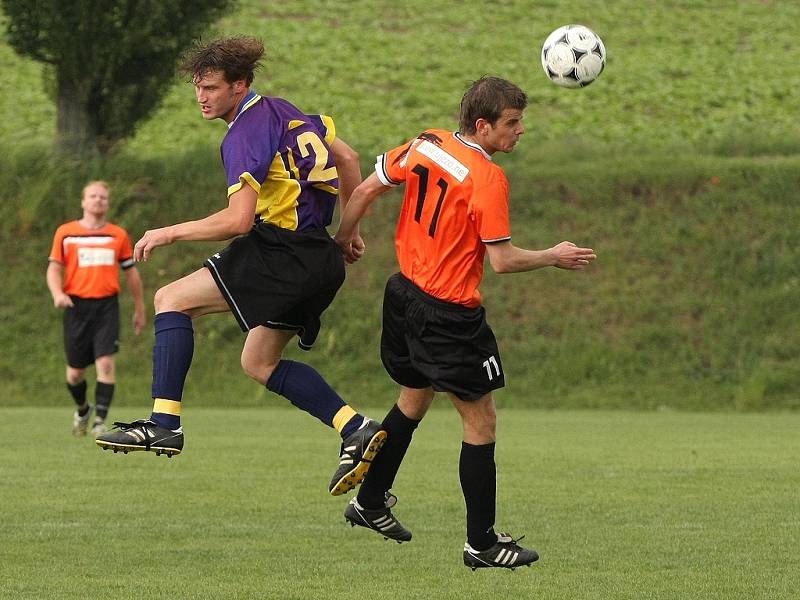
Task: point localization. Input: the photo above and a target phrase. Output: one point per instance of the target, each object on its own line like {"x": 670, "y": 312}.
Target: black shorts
{"x": 279, "y": 278}
{"x": 91, "y": 329}
{"x": 428, "y": 342}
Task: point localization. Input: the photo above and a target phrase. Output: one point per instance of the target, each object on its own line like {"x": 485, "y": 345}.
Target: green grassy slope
{"x": 680, "y": 166}
{"x": 701, "y": 73}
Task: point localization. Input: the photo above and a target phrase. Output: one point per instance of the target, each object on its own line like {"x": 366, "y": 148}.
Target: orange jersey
{"x": 90, "y": 258}
{"x": 456, "y": 200}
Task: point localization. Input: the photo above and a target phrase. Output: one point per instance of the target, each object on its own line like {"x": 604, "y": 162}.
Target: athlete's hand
{"x": 357, "y": 248}
{"x": 138, "y": 321}
{"x": 62, "y": 301}
{"x": 152, "y": 238}
{"x": 352, "y": 248}
{"x": 567, "y": 255}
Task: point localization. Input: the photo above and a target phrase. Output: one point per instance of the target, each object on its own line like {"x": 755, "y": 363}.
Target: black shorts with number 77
{"x": 427, "y": 342}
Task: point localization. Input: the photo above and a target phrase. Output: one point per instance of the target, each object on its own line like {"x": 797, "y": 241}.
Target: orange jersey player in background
{"x": 83, "y": 277}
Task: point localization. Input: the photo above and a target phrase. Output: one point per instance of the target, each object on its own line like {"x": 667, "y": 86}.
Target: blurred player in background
{"x": 435, "y": 335}
{"x": 285, "y": 170}
{"x": 83, "y": 277}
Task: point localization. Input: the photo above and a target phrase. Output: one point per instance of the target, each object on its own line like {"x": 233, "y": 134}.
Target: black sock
{"x": 478, "y": 476}
{"x": 78, "y": 393}
{"x": 103, "y": 394}
{"x": 380, "y": 478}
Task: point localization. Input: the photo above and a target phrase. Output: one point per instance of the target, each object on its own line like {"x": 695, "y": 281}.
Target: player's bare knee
{"x": 248, "y": 366}
{"x": 75, "y": 376}
{"x": 483, "y": 427}
{"x": 257, "y": 369}
{"x": 104, "y": 366}
{"x": 161, "y": 300}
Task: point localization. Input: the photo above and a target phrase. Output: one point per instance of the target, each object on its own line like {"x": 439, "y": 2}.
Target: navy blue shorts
{"x": 430, "y": 343}
{"x": 279, "y": 278}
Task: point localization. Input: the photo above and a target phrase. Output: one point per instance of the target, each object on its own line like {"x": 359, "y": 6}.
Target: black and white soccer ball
{"x": 573, "y": 56}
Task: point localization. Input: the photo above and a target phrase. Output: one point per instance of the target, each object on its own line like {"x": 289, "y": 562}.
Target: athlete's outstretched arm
{"x": 507, "y": 258}
{"x": 235, "y": 219}
{"x": 364, "y": 195}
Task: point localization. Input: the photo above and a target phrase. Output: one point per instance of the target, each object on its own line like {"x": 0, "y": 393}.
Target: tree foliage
{"x": 111, "y": 60}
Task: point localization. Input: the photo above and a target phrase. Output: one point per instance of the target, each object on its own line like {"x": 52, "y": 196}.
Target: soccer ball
{"x": 573, "y": 56}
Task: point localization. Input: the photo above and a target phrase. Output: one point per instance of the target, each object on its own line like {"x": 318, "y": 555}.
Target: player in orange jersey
{"x": 435, "y": 335}
{"x": 83, "y": 277}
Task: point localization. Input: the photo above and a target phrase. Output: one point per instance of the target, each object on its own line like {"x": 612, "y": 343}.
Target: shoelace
{"x": 126, "y": 426}
{"x": 512, "y": 541}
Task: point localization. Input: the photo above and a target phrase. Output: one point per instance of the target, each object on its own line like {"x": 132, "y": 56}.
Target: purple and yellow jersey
{"x": 283, "y": 154}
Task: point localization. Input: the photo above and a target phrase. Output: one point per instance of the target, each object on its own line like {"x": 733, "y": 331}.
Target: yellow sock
{"x": 166, "y": 407}
{"x": 341, "y": 418}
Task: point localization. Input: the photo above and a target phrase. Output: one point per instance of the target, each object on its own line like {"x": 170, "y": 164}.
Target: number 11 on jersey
{"x": 422, "y": 173}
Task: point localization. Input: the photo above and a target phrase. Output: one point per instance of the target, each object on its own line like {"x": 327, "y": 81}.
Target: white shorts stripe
{"x": 228, "y": 293}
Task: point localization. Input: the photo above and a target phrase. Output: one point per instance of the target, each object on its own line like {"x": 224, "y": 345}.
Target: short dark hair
{"x": 237, "y": 57}
{"x": 487, "y": 98}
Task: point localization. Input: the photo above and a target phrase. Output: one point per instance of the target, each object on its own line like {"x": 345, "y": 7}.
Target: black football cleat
{"x": 380, "y": 519}
{"x": 142, "y": 435}
{"x": 506, "y": 554}
{"x": 357, "y": 454}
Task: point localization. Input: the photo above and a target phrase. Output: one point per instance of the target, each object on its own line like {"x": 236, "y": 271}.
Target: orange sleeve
{"x": 57, "y": 250}
{"x": 490, "y": 212}
{"x": 391, "y": 165}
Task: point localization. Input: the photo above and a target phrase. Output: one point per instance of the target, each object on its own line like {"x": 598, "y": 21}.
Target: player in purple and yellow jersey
{"x": 285, "y": 170}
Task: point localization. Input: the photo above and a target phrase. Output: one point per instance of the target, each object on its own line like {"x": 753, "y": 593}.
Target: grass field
{"x": 619, "y": 505}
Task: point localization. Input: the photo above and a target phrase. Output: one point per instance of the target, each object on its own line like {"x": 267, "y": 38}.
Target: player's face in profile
{"x": 505, "y": 133}
{"x": 95, "y": 199}
{"x": 217, "y": 98}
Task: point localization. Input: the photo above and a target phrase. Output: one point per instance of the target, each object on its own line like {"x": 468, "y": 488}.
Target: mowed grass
{"x": 619, "y": 504}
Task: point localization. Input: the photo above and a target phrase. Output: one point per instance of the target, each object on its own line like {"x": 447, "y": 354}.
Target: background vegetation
{"x": 106, "y": 60}
{"x": 680, "y": 166}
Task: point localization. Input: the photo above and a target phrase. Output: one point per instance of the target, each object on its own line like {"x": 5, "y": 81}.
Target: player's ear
{"x": 482, "y": 126}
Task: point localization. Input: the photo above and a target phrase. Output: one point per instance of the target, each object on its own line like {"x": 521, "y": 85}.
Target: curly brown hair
{"x": 487, "y": 98}
{"x": 236, "y": 57}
